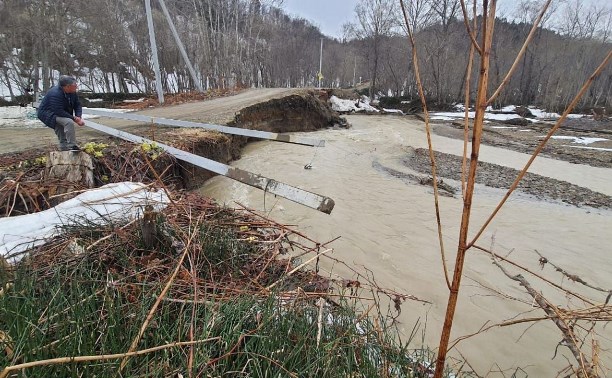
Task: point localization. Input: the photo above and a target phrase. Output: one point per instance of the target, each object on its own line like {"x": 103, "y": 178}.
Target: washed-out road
{"x": 217, "y": 111}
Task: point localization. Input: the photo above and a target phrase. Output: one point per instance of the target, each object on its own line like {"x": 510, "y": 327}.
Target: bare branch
{"x": 432, "y": 158}
{"x": 537, "y": 151}
{"x": 469, "y": 29}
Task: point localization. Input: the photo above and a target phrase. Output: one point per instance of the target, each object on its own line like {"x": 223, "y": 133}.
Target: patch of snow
{"x": 135, "y": 101}
{"x": 503, "y": 127}
{"x": 578, "y": 140}
{"x": 393, "y": 111}
{"x": 95, "y": 100}
{"x": 118, "y": 202}
{"x": 341, "y": 105}
{"x": 591, "y": 148}
{"x": 509, "y": 108}
{"x": 442, "y": 118}
{"x": 489, "y": 116}
{"x": 90, "y": 116}
{"x": 539, "y": 113}
{"x": 501, "y": 117}
{"x": 17, "y": 116}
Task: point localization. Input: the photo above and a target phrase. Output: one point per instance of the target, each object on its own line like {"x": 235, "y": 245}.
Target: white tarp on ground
{"x": 117, "y": 203}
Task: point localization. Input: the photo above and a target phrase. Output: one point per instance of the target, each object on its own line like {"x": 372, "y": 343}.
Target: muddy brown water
{"x": 388, "y": 225}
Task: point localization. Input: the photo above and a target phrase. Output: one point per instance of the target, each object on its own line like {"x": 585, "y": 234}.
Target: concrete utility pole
{"x": 158, "y": 83}
{"x": 223, "y": 129}
{"x": 292, "y": 193}
{"x": 320, "y": 75}
{"x": 354, "y": 71}
{"x": 196, "y": 81}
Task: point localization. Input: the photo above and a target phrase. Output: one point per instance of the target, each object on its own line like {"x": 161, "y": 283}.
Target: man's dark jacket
{"x": 56, "y": 103}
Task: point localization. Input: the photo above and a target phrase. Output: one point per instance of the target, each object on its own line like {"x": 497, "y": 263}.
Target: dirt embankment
{"x": 305, "y": 112}
{"x": 292, "y": 113}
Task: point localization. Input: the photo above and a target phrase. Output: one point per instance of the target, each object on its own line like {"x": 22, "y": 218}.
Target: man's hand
{"x": 79, "y": 121}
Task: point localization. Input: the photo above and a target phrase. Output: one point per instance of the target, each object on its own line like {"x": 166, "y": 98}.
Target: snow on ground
{"x": 17, "y": 116}
{"x": 591, "y": 148}
{"x": 442, "y": 118}
{"x": 118, "y": 203}
{"x": 361, "y": 105}
{"x": 135, "y": 101}
{"x": 397, "y": 111}
{"x": 508, "y": 113}
{"x": 489, "y": 116}
{"x": 578, "y": 140}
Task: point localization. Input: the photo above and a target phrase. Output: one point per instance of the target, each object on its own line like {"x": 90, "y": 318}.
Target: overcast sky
{"x": 330, "y": 15}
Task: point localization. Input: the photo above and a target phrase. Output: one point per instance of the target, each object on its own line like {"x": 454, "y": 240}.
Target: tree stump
{"x": 67, "y": 172}
{"x": 148, "y": 226}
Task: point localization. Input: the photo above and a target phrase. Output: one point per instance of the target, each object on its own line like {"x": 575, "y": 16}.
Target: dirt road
{"x": 217, "y": 111}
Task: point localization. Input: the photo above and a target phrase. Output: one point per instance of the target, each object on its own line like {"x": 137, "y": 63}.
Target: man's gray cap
{"x": 65, "y": 80}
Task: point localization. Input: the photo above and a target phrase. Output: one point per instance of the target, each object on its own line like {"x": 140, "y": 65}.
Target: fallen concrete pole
{"x": 292, "y": 193}
{"x": 224, "y": 129}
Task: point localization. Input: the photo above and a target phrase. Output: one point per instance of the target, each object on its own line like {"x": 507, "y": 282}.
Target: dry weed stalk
{"x": 185, "y": 250}
{"x": 105, "y": 357}
{"x": 432, "y": 158}
{"x": 468, "y": 78}
{"x": 562, "y": 321}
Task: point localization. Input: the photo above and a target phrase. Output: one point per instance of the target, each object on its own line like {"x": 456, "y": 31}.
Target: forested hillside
{"x": 254, "y": 43}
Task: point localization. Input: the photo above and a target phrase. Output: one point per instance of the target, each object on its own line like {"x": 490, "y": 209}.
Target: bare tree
{"x": 376, "y": 21}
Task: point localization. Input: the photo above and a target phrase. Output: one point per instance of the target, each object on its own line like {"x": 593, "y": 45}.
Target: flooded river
{"x": 388, "y": 225}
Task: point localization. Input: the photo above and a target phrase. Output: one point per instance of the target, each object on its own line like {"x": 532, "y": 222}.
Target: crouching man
{"x": 61, "y": 110}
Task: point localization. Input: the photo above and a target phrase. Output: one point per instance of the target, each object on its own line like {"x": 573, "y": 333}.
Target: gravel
{"x": 497, "y": 176}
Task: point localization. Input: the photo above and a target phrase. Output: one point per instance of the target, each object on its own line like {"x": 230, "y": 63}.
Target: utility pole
{"x": 158, "y": 83}
{"x": 194, "y": 76}
{"x": 320, "y": 75}
{"x": 354, "y": 71}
